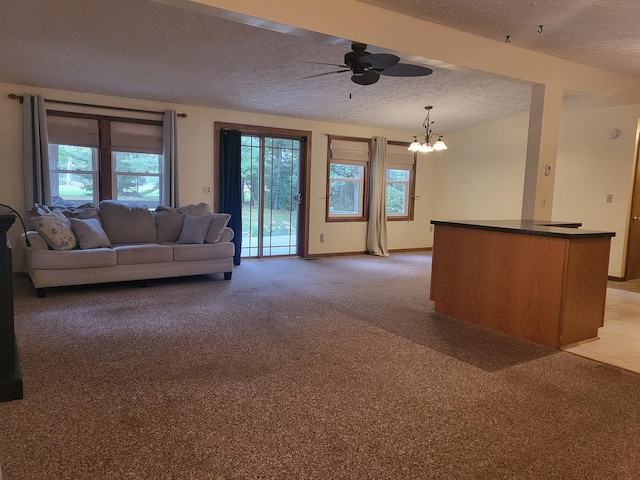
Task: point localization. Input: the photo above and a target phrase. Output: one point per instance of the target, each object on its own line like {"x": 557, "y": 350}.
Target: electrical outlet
{"x": 322, "y": 237}
{"x": 609, "y": 198}
{"x": 206, "y": 190}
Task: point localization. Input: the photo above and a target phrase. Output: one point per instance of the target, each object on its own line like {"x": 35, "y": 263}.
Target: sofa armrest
{"x": 226, "y": 235}
{"x": 36, "y": 240}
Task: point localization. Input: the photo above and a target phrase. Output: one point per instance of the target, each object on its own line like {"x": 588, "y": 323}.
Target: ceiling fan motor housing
{"x": 352, "y": 59}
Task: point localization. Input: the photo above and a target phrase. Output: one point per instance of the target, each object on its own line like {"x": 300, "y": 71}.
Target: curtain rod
{"x": 13, "y": 96}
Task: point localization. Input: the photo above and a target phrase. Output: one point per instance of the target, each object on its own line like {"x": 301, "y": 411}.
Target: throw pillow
{"x": 89, "y": 233}
{"x": 194, "y": 229}
{"x": 56, "y": 230}
{"x": 218, "y": 223}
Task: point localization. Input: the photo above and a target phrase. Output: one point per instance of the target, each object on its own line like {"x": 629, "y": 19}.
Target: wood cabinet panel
{"x": 540, "y": 288}
{"x": 585, "y": 290}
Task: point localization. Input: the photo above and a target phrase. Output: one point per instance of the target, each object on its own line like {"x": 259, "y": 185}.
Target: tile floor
{"x": 619, "y": 339}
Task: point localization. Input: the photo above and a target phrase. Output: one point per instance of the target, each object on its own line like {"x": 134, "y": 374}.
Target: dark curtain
{"x": 231, "y": 185}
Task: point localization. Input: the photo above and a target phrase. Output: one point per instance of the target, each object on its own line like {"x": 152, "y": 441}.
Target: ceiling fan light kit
{"x": 366, "y": 67}
{"x": 426, "y": 146}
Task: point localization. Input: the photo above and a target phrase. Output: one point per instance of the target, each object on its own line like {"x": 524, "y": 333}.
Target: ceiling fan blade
{"x": 325, "y": 73}
{"x": 323, "y": 63}
{"x": 379, "y": 60}
{"x": 406, "y": 70}
{"x": 369, "y": 77}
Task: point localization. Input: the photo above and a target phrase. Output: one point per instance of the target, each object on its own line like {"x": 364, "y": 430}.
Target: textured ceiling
{"x": 149, "y": 50}
{"x": 601, "y": 33}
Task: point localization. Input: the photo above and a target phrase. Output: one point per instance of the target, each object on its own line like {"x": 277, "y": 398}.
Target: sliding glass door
{"x": 271, "y": 195}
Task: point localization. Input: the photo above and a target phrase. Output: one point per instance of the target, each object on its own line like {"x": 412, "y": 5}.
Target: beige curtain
{"x": 170, "y": 159}
{"x": 377, "y": 226}
{"x": 37, "y": 184}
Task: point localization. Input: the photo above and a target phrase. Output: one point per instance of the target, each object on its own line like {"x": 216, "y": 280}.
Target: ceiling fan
{"x": 367, "y": 67}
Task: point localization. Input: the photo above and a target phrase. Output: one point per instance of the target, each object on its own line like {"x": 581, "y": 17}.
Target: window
{"x": 136, "y": 160}
{"x": 400, "y": 182}
{"x": 94, "y": 158}
{"x": 73, "y": 158}
{"x": 348, "y": 174}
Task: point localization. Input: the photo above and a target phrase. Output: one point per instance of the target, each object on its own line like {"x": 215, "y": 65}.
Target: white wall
{"x": 591, "y": 166}
{"x": 195, "y": 150}
{"x": 481, "y": 174}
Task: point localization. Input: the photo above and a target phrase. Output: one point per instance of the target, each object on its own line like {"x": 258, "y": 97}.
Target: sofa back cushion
{"x": 85, "y": 211}
{"x": 195, "y": 210}
{"x": 168, "y": 223}
{"x": 127, "y": 223}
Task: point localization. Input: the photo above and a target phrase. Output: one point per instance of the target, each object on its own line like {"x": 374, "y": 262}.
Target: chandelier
{"x": 427, "y": 137}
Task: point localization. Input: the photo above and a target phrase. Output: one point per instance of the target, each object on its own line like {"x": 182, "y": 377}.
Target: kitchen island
{"x": 537, "y": 280}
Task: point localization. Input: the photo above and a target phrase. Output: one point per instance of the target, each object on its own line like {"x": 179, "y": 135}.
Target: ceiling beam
{"x": 340, "y": 21}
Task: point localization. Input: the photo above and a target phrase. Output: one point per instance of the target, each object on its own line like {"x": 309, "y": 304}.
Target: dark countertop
{"x": 528, "y": 227}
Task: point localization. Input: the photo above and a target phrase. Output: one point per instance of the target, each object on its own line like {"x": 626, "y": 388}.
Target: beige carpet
{"x": 629, "y": 285}
{"x": 336, "y": 368}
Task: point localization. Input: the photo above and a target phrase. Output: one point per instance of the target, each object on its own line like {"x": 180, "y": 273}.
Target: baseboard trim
{"x": 616, "y": 279}
{"x": 349, "y": 254}
{"x": 409, "y": 250}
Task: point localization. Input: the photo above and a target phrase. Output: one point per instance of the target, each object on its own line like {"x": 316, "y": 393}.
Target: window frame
{"x": 364, "y": 195}
{"x": 106, "y": 173}
{"x": 411, "y": 194}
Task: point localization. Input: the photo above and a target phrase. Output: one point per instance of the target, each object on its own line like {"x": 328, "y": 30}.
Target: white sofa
{"x": 122, "y": 242}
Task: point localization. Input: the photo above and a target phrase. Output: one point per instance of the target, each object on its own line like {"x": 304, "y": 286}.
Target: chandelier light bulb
{"x": 439, "y": 145}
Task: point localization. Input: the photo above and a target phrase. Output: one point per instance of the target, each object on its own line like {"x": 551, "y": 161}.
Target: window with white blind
{"x": 94, "y": 158}
{"x": 347, "y": 183}
{"x": 401, "y": 165}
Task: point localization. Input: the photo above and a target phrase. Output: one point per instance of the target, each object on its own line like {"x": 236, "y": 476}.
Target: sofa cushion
{"x": 127, "y": 223}
{"x": 169, "y": 223}
{"x": 56, "y": 229}
{"x": 89, "y": 233}
{"x": 207, "y": 251}
{"x": 58, "y": 260}
{"x": 194, "y": 229}
{"x": 141, "y": 254}
{"x": 218, "y": 224}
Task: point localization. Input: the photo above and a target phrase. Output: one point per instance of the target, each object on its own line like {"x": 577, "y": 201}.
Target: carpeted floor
{"x": 336, "y": 368}
{"x": 629, "y": 285}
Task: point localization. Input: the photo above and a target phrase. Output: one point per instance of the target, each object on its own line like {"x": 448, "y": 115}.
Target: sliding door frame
{"x": 304, "y": 136}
